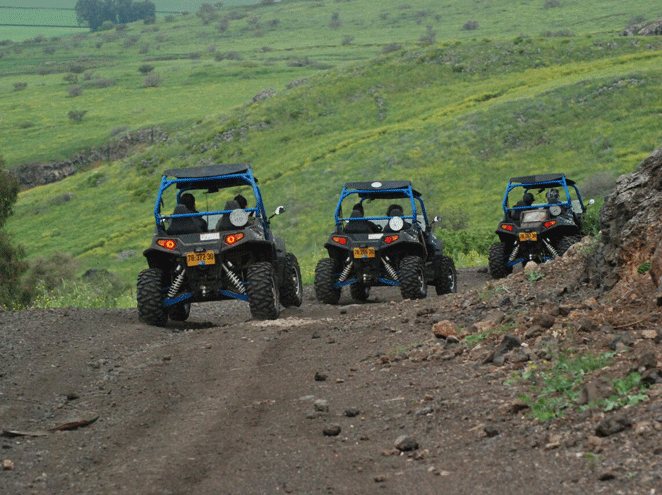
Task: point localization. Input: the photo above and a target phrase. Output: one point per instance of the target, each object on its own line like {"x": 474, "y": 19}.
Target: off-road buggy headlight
{"x": 396, "y": 224}
{"x": 555, "y": 210}
{"x": 238, "y": 218}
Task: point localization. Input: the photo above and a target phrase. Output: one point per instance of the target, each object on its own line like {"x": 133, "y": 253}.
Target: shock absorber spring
{"x": 234, "y": 279}
{"x": 550, "y": 248}
{"x": 177, "y": 284}
{"x": 513, "y": 255}
{"x": 345, "y": 272}
{"x": 389, "y": 269}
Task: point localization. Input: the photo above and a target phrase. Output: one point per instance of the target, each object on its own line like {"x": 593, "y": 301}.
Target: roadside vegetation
{"x": 313, "y": 99}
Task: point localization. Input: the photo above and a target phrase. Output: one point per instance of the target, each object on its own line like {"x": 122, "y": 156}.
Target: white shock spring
{"x": 177, "y": 284}
{"x": 345, "y": 272}
{"x": 234, "y": 279}
{"x": 550, "y": 248}
{"x": 513, "y": 255}
{"x": 390, "y": 270}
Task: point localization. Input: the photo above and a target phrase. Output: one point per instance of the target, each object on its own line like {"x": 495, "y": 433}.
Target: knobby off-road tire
{"x": 150, "y": 298}
{"x": 497, "y": 260}
{"x": 291, "y": 292}
{"x": 564, "y": 243}
{"x": 447, "y": 281}
{"x": 359, "y": 292}
{"x": 412, "y": 278}
{"x": 180, "y": 312}
{"x": 262, "y": 291}
{"x": 325, "y": 280}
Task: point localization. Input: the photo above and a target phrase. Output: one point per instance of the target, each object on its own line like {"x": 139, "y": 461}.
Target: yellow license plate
{"x": 528, "y": 236}
{"x": 368, "y": 252}
{"x": 197, "y": 259}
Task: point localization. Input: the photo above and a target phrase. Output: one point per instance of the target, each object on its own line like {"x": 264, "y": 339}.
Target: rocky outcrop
{"x": 631, "y": 222}
{"x": 644, "y": 29}
{"x": 38, "y": 174}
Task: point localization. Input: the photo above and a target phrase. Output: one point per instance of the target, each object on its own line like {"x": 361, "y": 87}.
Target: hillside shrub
{"x": 223, "y": 25}
{"x": 392, "y": 47}
{"x": 429, "y": 37}
{"x": 231, "y": 55}
{"x": 106, "y": 26}
{"x": 99, "y": 83}
{"x": 75, "y": 91}
{"x": 470, "y": 25}
{"x": 169, "y": 18}
{"x": 153, "y": 80}
{"x": 71, "y": 78}
{"x": 20, "y": 86}
{"x": 552, "y": 4}
{"x": 335, "y": 21}
{"x": 49, "y": 50}
{"x": 25, "y": 124}
{"x": 207, "y": 13}
{"x": 12, "y": 265}
{"x": 145, "y": 69}
{"x": 347, "y": 40}
{"x": 76, "y": 116}
{"x": 143, "y": 49}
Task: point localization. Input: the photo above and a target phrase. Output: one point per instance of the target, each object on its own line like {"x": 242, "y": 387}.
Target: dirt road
{"x": 222, "y": 404}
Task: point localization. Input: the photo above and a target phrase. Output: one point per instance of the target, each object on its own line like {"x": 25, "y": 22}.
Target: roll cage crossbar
{"x": 185, "y": 184}
{"x": 406, "y": 192}
{"x": 560, "y": 181}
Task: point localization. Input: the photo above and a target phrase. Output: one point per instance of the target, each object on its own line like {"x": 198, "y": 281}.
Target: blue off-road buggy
{"x": 391, "y": 245}
{"x": 226, "y": 251}
{"x": 542, "y": 225}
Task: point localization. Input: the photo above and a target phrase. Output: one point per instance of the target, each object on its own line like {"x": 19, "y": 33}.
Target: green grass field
{"x": 457, "y": 117}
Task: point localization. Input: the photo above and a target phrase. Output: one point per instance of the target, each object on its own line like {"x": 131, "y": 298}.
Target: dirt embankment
{"x": 546, "y": 382}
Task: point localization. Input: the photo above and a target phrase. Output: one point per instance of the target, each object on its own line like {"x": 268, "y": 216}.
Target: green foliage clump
{"x": 555, "y": 387}
{"x": 11, "y": 257}
{"x": 644, "y": 267}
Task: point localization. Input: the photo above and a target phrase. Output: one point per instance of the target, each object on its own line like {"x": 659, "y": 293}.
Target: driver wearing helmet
{"x": 553, "y": 196}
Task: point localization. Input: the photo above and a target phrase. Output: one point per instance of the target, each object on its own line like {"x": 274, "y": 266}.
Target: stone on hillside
{"x": 332, "y": 430}
{"x": 321, "y": 405}
{"x": 612, "y": 425}
{"x": 545, "y": 320}
{"x": 405, "y": 443}
{"x": 444, "y": 329}
{"x": 508, "y": 343}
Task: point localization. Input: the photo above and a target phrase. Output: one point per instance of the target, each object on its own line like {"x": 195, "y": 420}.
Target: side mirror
{"x": 436, "y": 219}
{"x": 279, "y": 211}
{"x": 591, "y": 202}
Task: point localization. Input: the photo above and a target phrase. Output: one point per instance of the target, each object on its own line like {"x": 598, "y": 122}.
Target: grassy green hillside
{"x": 202, "y": 69}
{"x": 457, "y": 117}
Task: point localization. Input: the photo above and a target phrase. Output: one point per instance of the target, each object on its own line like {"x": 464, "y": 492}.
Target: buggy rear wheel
{"x": 325, "y": 279}
{"x": 497, "y": 260}
{"x": 149, "y": 297}
{"x": 412, "y": 278}
{"x": 359, "y": 291}
{"x": 447, "y": 281}
{"x": 564, "y": 243}
{"x": 292, "y": 289}
{"x": 262, "y": 291}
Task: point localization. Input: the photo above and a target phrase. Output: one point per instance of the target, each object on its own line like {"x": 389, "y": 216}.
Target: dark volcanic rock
{"x": 631, "y": 222}
{"x": 612, "y": 425}
{"x": 508, "y": 343}
{"x": 332, "y": 430}
{"x": 406, "y": 443}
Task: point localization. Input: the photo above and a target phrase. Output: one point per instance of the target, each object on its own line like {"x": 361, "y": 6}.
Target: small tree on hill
{"x": 11, "y": 257}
